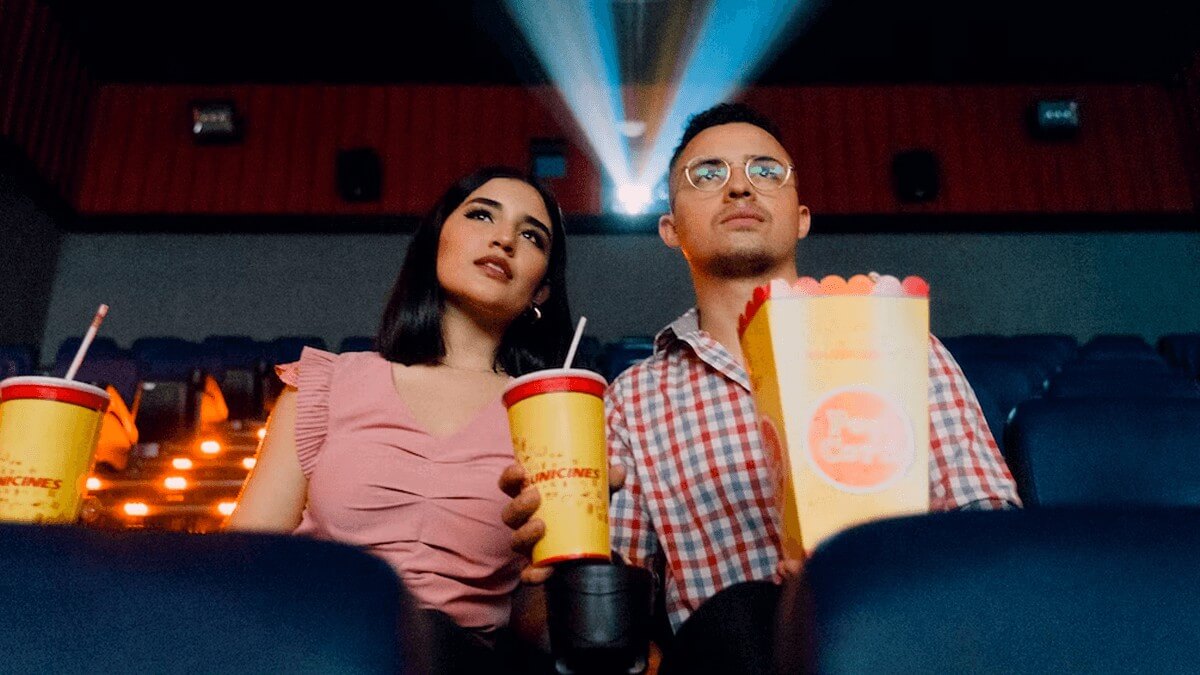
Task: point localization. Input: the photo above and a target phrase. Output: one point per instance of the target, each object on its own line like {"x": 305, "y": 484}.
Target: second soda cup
{"x": 558, "y": 431}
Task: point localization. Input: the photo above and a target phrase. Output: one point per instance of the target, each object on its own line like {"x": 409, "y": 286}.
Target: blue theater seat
{"x": 1048, "y": 352}
{"x": 590, "y": 355}
{"x": 1103, "y": 347}
{"x": 117, "y": 369}
{"x": 1126, "y": 384}
{"x": 1062, "y": 347}
{"x": 963, "y": 346}
{"x": 1118, "y": 366}
{"x": 620, "y": 355}
{"x": 1000, "y": 383}
{"x": 77, "y": 600}
{"x": 1087, "y": 591}
{"x": 238, "y": 363}
{"x": 357, "y": 343}
{"x": 1183, "y": 352}
{"x": 222, "y": 352}
{"x": 167, "y": 358}
{"x": 287, "y": 349}
{"x": 16, "y": 360}
{"x": 101, "y": 345}
{"x": 1079, "y": 452}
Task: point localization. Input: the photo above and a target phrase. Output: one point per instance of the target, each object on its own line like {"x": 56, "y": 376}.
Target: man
{"x": 682, "y": 423}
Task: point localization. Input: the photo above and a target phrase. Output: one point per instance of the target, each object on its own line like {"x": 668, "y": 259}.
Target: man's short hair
{"x": 722, "y": 113}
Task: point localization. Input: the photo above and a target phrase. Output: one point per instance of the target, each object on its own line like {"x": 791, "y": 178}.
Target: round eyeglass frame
{"x": 687, "y": 173}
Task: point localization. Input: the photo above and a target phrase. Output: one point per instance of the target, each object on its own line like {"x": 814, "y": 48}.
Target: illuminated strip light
{"x": 575, "y": 41}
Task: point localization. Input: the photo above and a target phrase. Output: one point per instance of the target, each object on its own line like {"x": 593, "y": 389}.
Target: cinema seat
{"x": 620, "y": 355}
{"x": 16, "y": 360}
{"x": 77, "y": 600}
{"x": 238, "y": 364}
{"x": 1104, "y": 347}
{"x": 1077, "y": 591}
{"x": 287, "y": 349}
{"x": 357, "y": 343}
{"x": 1183, "y": 352}
{"x": 1100, "y": 452}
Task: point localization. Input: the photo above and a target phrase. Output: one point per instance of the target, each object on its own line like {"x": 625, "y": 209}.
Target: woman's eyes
{"x": 534, "y": 235}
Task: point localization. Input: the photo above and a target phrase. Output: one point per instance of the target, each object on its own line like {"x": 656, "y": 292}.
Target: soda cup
{"x": 48, "y": 432}
{"x": 557, "y": 422}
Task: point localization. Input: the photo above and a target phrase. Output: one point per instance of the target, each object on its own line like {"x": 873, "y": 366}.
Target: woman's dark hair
{"x": 410, "y": 331}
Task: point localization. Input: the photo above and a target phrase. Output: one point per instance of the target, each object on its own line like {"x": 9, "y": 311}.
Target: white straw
{"x": 575, "y": 341}
{"x": 101, "y": 312}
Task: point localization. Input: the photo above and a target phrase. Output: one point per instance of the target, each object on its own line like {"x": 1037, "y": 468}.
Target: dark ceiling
{"x": 465, "y": 41}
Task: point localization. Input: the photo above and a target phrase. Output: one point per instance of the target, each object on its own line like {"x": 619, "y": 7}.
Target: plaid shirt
{"x": 699, "y": 490}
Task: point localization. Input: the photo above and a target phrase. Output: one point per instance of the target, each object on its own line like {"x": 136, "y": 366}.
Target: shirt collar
{"x": 686, "y": 331}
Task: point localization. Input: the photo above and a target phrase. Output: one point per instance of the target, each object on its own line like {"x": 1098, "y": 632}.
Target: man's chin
{"x": 741, "y": 264}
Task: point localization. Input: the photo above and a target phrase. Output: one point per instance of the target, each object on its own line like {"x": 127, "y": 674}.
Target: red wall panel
{"x": 44, "y": 91}
{"x": 1132, "y": 155}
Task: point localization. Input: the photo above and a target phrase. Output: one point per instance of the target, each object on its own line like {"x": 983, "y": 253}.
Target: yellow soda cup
{"x": 556, "y": 418}
{"x": 48, "y": 432}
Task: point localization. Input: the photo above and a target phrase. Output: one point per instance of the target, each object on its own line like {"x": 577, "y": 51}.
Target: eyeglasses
{"x": 709, "y": 174}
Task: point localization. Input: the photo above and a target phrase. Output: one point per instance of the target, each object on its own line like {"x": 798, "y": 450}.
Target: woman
{"x": 398, "y": 451}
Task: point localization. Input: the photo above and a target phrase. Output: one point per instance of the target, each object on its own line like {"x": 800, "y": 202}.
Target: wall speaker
{"x": 548, "y": 158}
{"x": 359, "y": 175}
{"x": 915, "y": 176}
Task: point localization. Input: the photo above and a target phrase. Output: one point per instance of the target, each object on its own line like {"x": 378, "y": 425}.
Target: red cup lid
{"x": 54, "y": 389}
{"x": 554, "y": 381}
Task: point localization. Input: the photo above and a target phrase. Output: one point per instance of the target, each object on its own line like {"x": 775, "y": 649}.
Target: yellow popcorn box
{"x": 840, "y": 375}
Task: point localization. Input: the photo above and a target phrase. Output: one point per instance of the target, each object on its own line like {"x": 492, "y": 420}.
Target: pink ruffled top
{"x": 429, "y": 506}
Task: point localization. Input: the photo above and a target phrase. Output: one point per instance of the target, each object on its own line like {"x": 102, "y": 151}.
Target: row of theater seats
{"x": 1043, "y": 591}
{"x": 1113, "y": 421}
{"x": 170, "y": 388}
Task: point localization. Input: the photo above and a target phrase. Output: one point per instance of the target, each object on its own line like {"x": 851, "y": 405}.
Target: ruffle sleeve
{"x": 310, "y": 376}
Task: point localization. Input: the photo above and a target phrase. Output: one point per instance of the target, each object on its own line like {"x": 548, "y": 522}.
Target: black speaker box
{"x": 915, "y": 176}
{"x": 359, "y": 175}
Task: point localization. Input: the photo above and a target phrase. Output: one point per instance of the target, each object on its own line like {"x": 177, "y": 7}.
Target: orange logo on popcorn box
{"x": 840, "y": 375}
{"x": 859, "y": 440}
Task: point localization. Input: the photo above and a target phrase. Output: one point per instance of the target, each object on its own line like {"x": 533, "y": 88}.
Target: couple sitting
{"x": 400, "y": 451}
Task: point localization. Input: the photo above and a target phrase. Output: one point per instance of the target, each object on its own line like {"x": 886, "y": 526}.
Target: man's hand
{"x": 789, "y": 568}
{"x": 518, "y": 514}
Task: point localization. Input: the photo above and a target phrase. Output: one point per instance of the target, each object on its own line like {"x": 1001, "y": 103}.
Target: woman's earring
{"x": 537, "y": 312}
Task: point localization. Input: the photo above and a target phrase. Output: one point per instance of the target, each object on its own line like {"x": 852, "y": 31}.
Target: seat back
{"x": 620, "y": 355}
{"x": 999, "y": 592}
{"x": 1082, "y": 452}
{"x": 173, "y": 603}
{"x": 16, "y": 360}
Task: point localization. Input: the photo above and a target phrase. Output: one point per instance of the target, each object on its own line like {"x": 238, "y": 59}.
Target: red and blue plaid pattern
{"x": 699, "y": 489}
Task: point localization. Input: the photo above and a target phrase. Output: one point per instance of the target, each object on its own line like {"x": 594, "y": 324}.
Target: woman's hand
{"x": 518, "y": 514}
